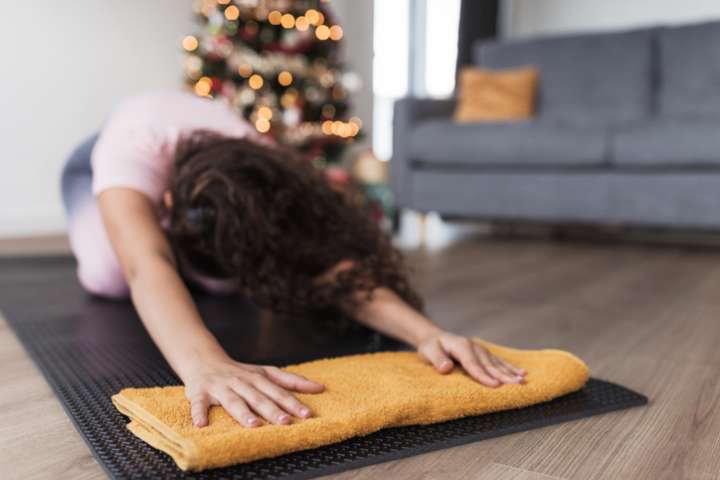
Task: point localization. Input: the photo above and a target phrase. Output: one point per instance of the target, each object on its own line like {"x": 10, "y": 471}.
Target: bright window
{"x": 410, "y": 35}
{"x": 390, "y": 68}
{"x": 441, "y": 36}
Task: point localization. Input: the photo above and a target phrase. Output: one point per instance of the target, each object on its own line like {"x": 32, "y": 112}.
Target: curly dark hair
{"x": 271, "y": 222}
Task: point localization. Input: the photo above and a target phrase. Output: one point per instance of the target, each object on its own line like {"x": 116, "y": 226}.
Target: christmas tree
{"x": 278, "y": 63}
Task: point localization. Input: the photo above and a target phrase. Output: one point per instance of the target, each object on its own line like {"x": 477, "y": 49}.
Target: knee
{"x": 99, "y": 270}
{"x": 103, "y": 282}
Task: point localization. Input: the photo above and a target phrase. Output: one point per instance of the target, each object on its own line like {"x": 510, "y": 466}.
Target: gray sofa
{"x": 627, "y": 131}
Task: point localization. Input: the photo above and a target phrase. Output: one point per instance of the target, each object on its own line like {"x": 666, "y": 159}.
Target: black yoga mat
{"x": 88, "y": 349}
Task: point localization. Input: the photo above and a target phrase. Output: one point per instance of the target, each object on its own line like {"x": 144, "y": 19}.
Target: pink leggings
{"x": 99, "y": 271}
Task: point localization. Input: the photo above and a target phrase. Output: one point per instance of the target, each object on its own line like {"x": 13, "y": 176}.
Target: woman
{"x": 177, "y": 188}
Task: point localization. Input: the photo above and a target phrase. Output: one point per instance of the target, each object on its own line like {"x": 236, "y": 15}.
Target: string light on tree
{"x": 278, "y": 63}
{"x": 353, "y": 129}
{"x": 193, "y": 66}
{"x": 203, "y": 86}
{"x": 340, "y": 129}
{"x": 289, "y": 98}
{"x": 285, "y": 78}
{"x": 265, "y": 112}
{"x": 313, "y": 16}
{"x": 190, "y": 43}
{"x": 322, "y": 32}
{"x": 287, "y": 21}
{"x": 302, "y": 23}
{"x": 245, "y": 70}
{"x": 336, "y": 32}
{"x": 327, "y": 127}
{"x": 275, "y": 17}
{"x": 262, "y": 125}
{"x": 255, "y": 81}
{"x": 232, "y": 13}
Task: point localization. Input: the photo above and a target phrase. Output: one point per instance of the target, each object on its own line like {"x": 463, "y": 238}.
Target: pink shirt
{"x": 137, "y": 144}
{"x": 136, "y": 150}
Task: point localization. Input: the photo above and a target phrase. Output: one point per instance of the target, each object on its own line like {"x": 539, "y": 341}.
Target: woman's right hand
{"x": 247, "y": 392}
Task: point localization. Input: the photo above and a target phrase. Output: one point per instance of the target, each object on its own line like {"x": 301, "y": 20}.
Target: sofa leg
{"x": 395, "y": 221}
{"x": 413, "y": 227}
{"x": 422, "y": 228}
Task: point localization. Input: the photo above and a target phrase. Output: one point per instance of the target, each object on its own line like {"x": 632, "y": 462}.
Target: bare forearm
{"x": 391, "y": 315}
{"x": 170, "y": 316}
{"x": 388, "y": 313}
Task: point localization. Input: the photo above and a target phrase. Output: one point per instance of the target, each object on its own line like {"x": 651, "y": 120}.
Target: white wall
{"x": 65, "y": 63}
{"x": 533, "y": 17}
{"x": 356, "y": 18}
{"x": 63, "y": 66}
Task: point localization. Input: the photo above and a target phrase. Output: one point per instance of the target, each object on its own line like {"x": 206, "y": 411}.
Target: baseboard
{"x": 31, "y": 222}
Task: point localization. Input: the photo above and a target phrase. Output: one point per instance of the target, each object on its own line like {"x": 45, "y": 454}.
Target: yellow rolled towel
{"x": 363, "y": 394}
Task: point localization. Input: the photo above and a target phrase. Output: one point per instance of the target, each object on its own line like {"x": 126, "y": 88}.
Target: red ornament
{"x": 376, "y": 211}
{"x": 216, "y": 84}
{"x": 337, "y": 175}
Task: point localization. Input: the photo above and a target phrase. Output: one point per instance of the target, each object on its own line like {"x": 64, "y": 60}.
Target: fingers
{"x": 434, "y": 354}
{"x": 506, "y": 369}
{"x": 259, "y": 402}
{"x": 249, "y": 393}
{"x": 282, "y": 398}
{"x": 499, "y": 363}
{"x": 199, "y": 410}
{"x": 464, "y": 352}
{"x": 494, "y": 368}
{"x": 292, "y": 381}
{"x": 235, "y": 405}
{"x": 518, "y": 371}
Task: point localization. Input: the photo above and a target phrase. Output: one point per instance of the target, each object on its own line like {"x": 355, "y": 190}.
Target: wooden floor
{"x": 645, "y": 317}
{"x": 41, "y": 245}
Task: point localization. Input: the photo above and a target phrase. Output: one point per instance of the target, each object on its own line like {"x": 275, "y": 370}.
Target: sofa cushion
{"x": 486, "y": 95}
{"x": 501, "y": 144}
{"x": 666, "y": 143}
{"x": 687, "y": 199}
{"x": 689, "y": 71}
{"x": 587, "y": 79}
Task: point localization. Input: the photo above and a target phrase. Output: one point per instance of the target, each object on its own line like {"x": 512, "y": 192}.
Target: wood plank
{"x": 645, "y": 317}
{"x": 38, "y": 245}
{"x": 37, "y": 439}
{"x": 455, "y": 463}
{"x": 676, "y": 436}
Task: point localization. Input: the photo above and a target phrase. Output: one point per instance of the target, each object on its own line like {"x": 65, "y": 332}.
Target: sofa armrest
{"x": 407, "y": 113}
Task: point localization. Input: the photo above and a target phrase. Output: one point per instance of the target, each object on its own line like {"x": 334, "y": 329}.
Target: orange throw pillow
{"x": 491, "y": 95}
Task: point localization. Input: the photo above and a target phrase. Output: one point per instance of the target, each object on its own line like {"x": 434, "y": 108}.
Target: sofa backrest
{"x": 585, "y": 80}
{"x": 689, "y": 71}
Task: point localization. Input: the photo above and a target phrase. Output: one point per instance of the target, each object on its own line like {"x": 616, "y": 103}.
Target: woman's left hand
{"x": 443, "y": 349}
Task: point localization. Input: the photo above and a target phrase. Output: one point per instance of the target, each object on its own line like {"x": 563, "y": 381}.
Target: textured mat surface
{"x": 89, "y": 349}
